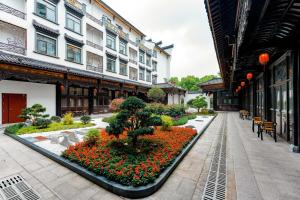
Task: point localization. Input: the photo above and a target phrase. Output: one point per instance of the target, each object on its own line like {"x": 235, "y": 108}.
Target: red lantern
{"x": 249, "y": 76}
{"x": 243, "y": 83}
{"x": 62, "y": 88}
{"x": 264, "y": 58}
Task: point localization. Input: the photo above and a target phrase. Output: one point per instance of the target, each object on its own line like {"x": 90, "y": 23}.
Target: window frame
{"x": 148, "y": 76}
{"x": 125, "y": 45}
{"x": 49, "y": 37}
{"x": 46, "y": 2}
{"x": 115, "y": 41}
{"x": 120, "y": 67}
{"x": 142, "y": 78}
{"x": 142, "y": 53}
{"x": 68, "y": 44}
{"x": 74, "y": 16}
{"x": 115, "y": 67}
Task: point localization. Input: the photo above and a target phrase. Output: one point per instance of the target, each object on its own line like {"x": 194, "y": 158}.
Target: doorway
{"x": 12, "y": 105}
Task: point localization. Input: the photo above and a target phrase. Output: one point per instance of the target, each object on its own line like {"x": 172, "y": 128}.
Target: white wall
{"x": 189, "y": 96}
{"x": 174, "y": 99}
{"x": 44, "y": 94}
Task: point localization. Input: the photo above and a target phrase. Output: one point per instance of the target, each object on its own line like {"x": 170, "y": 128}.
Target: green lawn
{"x": 52, "y": 127}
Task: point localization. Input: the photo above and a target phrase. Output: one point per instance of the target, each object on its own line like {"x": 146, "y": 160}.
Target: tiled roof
{"x": 37, "y": 64}
{"x": 168, "y": 85}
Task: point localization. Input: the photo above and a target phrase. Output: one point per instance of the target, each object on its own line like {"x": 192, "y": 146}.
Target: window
{"x": 73, "y": 54}
{"x": 148, "y": 76}
{"x": 154, "y": 66}
{"x": 154, "y": 53}
{"x": 119, "y": 27}
{"x": 111, "y": 41}
{"x": 123, "y": 47}
{"x": 123, "y": 68}
{"x": 45, "y": 45}
{"x": 46, "y": 10}
{"x": 154, "y": 79}
{"x": 142, "y": 73}
{"x": 73, "y": 23}
{"x": 142, "y": 57}
{"x": 148, "y": 61}
{"x": 133, "y": 74}
{"x": 111, "y": 65}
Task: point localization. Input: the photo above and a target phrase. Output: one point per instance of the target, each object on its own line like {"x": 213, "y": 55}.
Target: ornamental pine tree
{"x": 134, "y": 118}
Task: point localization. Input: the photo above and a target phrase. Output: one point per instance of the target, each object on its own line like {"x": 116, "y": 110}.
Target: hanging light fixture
{"x": 264, "y": 58}
{"x": 243, "y": 83}
{"x": 249, "y": 76}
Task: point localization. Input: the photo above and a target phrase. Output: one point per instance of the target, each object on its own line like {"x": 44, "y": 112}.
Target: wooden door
{"x": 12, "y": 105}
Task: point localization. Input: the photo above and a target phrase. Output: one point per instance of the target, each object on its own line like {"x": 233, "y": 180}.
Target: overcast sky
{"x": 183, "y": 23}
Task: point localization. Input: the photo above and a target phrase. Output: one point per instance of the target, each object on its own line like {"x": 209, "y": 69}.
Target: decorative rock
{"x": 73, "y": 137}
{"x": 65, "y": 142}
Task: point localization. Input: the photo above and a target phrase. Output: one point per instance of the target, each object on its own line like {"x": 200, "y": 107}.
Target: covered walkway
{"x": 255, "y": 169}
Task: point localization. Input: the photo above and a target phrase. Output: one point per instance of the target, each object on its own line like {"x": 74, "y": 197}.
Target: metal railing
{"x": 96, "y": 46}
{"x": 95, "y": 68}
{"x": 94, "y": 19}
{"x": 12, "y": 11}
{"x": 12, "y": 48}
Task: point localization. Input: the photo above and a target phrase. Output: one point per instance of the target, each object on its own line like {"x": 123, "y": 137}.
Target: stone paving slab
{"x": 263, "y": 169}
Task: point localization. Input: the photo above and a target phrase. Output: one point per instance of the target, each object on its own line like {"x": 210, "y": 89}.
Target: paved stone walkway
{"x": 256, "y": 169}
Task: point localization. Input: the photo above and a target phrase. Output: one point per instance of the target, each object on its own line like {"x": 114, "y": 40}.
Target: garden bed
{"x": 18, "y": 129}
{"x": 113, "y": 186}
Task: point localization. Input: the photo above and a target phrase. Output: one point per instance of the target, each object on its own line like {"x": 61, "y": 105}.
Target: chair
{"x": 256, "y": 121}
{"x": 269, "y": 127}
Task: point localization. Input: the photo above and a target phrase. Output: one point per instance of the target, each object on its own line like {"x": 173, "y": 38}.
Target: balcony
{"x": 12, "y": 38}
{"x": 75, "y": 4}
{"x": 94, "y": 62}
{"x": 12, "y": 11}
{"x": 133, "y": 61}
{"x": 95, "y": 37}
{"x": 94, "y": 19}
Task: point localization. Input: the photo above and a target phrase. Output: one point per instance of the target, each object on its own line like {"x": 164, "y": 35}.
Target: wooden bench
{"x": 270, "y": 128}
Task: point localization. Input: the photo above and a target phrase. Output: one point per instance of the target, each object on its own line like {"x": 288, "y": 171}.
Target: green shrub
{"x": 156, "y": 108}
{"x": 175, "y": 110}
{"x": 180, "y": 121}
{"x": 68, "y": 119}
{"x": 211, "y": 112}
{"x": 161, "y": 109}
{"x": 85, "y": 119}
{"x": 55, "y": 119}
{"x": 92, "y": 136}
{"x": 199, "y": 102}
{"x": 42, "y": 123}
{"x": 13, "y": 129}
{"x": 109, "y": 119}
{"x": 155, "y": 121}
{"x": 204, "y": 111}
{"x": 192, "y": 116}
{"x": 167, "y": 123}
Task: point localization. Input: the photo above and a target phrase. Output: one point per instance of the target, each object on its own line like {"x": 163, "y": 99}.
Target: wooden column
{"x": 91, "y": 100}
{"x": 296, "y": 89}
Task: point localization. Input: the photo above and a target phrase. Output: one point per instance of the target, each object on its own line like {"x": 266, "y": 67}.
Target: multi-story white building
{"x": 73, "y": 55}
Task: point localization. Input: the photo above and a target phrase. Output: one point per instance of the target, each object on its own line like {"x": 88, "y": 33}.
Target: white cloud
{"x": 178, "y": 22}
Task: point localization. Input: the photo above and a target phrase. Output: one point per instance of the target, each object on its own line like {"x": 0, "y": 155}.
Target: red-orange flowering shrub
{"x": 131, "y": 166}
{"x": 115, "y": 104}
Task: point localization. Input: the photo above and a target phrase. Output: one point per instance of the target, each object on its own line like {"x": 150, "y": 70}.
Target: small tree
{"x": 33, "y": 113}
{"x": 115, "y": 104}
{"x": 156, "y": 94}
{"x": 199, "y": 102}
{"x": 134, "y": 118}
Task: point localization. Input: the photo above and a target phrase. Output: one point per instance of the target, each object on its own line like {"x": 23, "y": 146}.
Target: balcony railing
{"x": 12, "y": 11}
{"x": 124, "y": 35}
{"x": 133, "y": 43}
{"x": 95, "y": 68}
{"x": 76, "y": 4}
{"x": 94, "y": 19}
{"x": 96, "y": 46}
{"x": 133, "y": 61}
{"x": 134, "y": 78}
{"x": 12, "y": 48}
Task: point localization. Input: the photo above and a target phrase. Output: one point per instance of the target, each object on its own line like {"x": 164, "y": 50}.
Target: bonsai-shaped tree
{"x": 34, "y": 113}
{"x": 134, "y": 118}
{"x": 199, "y": 102}
{"x": 156, "y": 94}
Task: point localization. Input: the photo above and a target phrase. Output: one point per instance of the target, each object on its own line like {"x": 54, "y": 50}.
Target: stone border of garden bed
{"x": 116, "y": 188}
